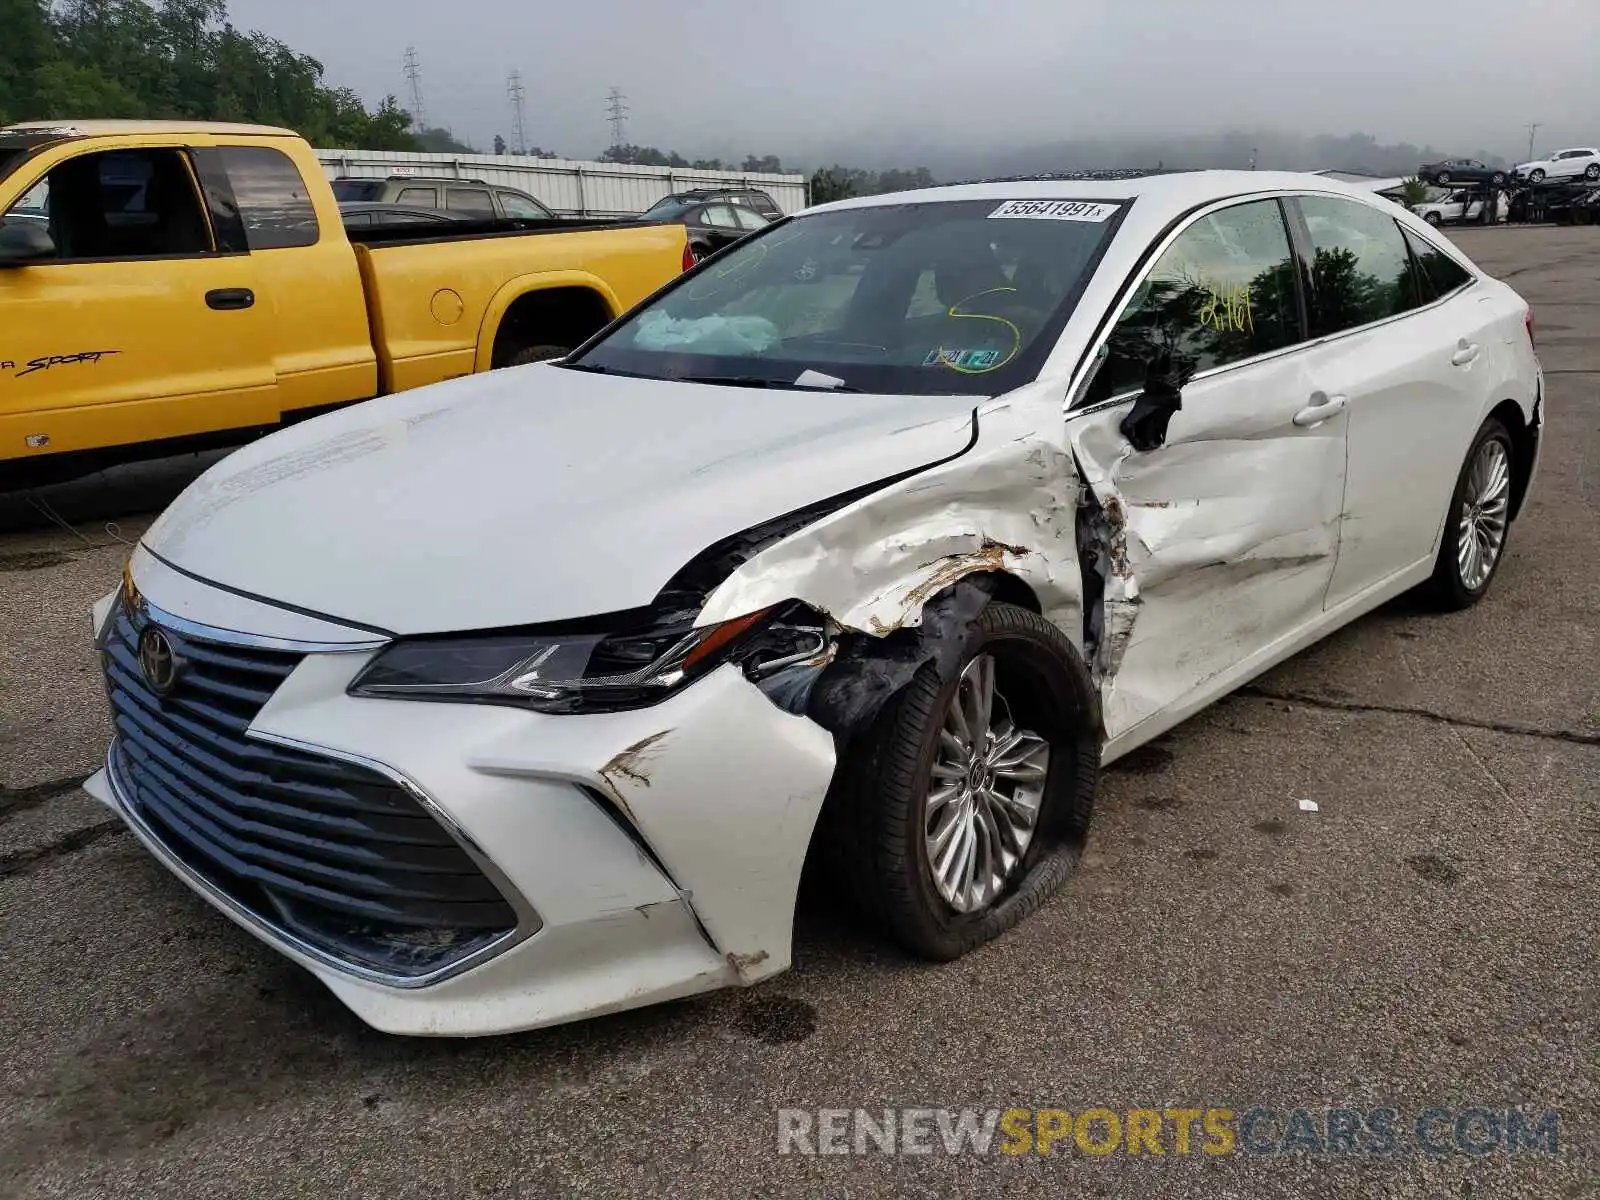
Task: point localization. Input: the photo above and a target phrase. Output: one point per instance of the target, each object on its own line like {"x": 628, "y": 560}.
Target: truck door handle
{"x": 1322, "y": 407}
{"x": 1465, "y": 352}
{"x": 225, "y": 299}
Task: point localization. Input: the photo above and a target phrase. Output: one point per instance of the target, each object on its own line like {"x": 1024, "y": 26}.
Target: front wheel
{"x": 968, "y": 803}
{"x": 1431, "y": 218}
{"x": 1442, "y": 178}
{"x": 1478, "y": 521}
{"x": 1536, "y": 176}
{"x": 1592, "y": 171}
{"x": 1498, "y": 179}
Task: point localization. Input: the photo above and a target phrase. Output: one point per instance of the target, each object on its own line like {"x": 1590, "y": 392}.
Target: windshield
{"x": 913, "y": 299}
{"x": 357, "y": 189}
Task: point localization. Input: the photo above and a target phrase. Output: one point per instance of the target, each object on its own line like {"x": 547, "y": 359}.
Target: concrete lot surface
{"x": 1428, "y": 938}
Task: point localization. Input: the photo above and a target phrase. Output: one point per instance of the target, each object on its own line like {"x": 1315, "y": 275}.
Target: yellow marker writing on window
{"x": 1228, "y": 309}
{"x": 1016, "y": 334}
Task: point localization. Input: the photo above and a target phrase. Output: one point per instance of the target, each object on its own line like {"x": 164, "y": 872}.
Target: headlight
{"x": 588, "y": 670}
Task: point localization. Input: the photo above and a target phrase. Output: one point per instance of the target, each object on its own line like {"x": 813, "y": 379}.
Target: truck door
{"x": 133, "y": 327}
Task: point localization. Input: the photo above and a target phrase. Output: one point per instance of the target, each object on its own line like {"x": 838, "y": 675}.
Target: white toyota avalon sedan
{"x": 860, "y": 548}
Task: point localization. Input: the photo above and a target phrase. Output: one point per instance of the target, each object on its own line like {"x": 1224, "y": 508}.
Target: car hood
{"x": 529, "y": 495}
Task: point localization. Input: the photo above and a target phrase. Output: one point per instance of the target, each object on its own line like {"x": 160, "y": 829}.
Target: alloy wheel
{"x": 1485, "y": 509}
{"x": 987, "y": 786}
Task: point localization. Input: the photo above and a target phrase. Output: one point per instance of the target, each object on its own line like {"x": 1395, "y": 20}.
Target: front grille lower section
{"x": 337, "y": 855}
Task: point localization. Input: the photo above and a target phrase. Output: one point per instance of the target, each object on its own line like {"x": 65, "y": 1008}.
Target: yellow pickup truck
{"x": 167, "y": 285}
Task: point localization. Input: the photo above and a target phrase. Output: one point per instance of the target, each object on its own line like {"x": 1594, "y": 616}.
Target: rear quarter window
{"x": 272, "y": 197}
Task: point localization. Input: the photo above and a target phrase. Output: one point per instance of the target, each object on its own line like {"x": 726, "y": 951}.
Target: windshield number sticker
{"x": 1054, "y": 210}
{"x": 970, "y": 360}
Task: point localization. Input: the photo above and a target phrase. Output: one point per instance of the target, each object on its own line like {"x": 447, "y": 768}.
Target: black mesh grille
{"x": 336, "y": 853}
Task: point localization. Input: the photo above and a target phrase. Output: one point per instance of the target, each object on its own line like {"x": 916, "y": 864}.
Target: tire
{"x": 1442, "y": 178}
{"x": 1498, "y": 179}
{"x": 1432, "y": 218}
{"x": 533, "y": 354}
{"x": 874, "y": 840}
{"x": 1536, "y": 175}
{"x": 1592, "y": 171}
{"x": 1450, "y": 589}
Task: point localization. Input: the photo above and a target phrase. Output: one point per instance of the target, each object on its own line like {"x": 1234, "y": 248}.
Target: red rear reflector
{"x": 1527, "y": 319}
{"x": 689, "y": 258}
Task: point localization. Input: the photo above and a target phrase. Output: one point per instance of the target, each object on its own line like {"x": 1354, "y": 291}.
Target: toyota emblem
{"x": 158, "y": 661}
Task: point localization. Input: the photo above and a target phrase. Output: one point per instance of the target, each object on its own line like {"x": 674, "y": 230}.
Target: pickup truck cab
{"x": 165, "y": 286}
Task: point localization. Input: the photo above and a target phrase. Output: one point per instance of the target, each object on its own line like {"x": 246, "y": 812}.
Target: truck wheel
{"x": 533, "y": 354}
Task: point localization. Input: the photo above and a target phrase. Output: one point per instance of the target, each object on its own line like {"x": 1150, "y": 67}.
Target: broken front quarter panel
{"x": 1007, "y": 505}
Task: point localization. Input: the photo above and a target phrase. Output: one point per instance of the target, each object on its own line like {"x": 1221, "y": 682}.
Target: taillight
{"x": 689, "y": 256}
{"x": 1527, "y": 319}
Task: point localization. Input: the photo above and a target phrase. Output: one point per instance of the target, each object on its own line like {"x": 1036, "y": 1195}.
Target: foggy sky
{"x": 878, "y": 82}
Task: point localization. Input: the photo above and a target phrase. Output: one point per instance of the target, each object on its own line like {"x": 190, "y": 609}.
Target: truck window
{"x": 123, "y": 204}
{"x": 476, "y": 201}
{"x": 417, "y": 197}
{"x": 272, "y": 198}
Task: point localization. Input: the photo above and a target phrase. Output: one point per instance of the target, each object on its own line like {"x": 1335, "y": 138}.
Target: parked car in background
{"x": 194, "y": 284}
{"x": 1460, "y": 205}
{"x": 753, "y": 198}
{"x": 1461, "y": 170}
{"x": 712, "y": 225}
{"x": 1582, "y": 161}
{"x": 472, "y": 198}
{"x": 530, "y": 696}
{"x": 361, "y": 214}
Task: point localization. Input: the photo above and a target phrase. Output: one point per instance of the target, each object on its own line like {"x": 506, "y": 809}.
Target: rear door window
{"x": 1361, "y": 271}
{"x": 719, "y": 216}
{"x": 748, "y": 218}
{"x": 272, "y": 197}
{"x": 1223, "y": 292}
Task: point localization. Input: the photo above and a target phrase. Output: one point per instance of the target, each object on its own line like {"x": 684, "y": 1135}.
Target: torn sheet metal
{"x": 1007, "y": 505}
{"x": 1207, "y": 549}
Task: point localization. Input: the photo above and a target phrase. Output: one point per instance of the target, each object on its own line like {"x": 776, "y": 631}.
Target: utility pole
{"x": 419, "y": 119}
{"x": 617, "y": 115}
{"x": 517, "y": 94}
{"x": 1532, "y": 129}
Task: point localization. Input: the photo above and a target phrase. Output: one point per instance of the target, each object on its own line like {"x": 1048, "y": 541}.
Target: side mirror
{"x": 23, "y": 241}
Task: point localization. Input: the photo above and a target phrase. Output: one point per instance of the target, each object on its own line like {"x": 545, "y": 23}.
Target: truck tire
{"x": 533, "y": 354}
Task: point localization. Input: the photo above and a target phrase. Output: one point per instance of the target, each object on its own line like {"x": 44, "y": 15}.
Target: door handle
{"x": 227, "y": 299}
{"x": 1465, "y": 352}
{"x": 1322, "y": 407}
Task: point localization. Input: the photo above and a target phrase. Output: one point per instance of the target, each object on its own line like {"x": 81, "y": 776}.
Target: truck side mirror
{"x": 24, "y": 241}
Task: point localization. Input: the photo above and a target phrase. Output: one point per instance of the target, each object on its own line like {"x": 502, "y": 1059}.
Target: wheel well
{"x": 562, "y": 316}
{"x": 1524, "y": 445}
{"x": 1012, "y": 590}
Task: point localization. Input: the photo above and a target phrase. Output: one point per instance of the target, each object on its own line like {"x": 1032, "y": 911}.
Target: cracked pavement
{"x": 1428, "y": 937}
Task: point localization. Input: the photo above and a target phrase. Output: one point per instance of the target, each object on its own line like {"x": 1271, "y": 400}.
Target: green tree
{"x": 175, "y": 58}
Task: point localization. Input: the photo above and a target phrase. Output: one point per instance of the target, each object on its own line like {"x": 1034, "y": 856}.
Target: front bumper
{"x": 661, "y": 849}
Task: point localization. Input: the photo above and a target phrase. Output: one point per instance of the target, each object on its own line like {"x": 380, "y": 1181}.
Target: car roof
{"x": 1178, "y": 191}
{"x": 108, "y": 128}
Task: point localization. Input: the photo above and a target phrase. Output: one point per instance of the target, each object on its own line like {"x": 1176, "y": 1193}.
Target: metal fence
{"x": 588, "y": 189}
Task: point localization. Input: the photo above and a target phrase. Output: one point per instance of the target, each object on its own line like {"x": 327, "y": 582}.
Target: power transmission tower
{"x": 518, "y": 95}
{"x": 1532, "y": 129}
{"x": 617, "y": 115}
{"x": 419, "y": 117}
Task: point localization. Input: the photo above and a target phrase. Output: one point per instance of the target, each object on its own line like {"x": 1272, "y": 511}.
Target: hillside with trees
{"x": 158, "y": 59}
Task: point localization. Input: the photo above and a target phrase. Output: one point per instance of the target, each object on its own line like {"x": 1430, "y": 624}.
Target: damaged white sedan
{"x": 862, "y": 546}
